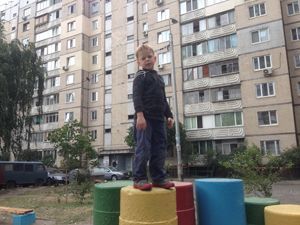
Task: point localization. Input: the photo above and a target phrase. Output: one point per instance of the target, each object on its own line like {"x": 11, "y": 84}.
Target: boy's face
{"x": 146, "y": 59}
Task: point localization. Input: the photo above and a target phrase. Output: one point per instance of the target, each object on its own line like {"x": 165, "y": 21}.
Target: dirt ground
{"x": 288, "y": 192}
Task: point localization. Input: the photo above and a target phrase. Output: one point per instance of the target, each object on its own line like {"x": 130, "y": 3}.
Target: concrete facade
{"x": 234, "y": 63}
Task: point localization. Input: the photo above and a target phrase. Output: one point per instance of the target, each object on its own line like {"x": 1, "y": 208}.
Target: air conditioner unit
{"x": 145, "y": 33}
{"x": 160, "y": 66}
{"x": 267, "y": 72}
{"x": 159, "y": 2}
{"x": 24, "y": 18}
{"x": 65, "y": 68}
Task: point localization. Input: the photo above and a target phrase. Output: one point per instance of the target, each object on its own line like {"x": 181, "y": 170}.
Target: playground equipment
{"x": 219, "y": 201}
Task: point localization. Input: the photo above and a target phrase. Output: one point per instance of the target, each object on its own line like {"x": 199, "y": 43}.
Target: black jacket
{"x": 149, "y": 95}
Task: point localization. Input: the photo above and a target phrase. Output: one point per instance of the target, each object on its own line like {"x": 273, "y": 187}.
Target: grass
{"x": 49, "y": 203}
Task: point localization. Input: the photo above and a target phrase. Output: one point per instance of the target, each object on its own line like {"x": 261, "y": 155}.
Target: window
{"x": 94, "y": 78}
{"x": 70, "y": 97}
{"x": 54, "y": 15}
{"x": 164, "y": 58}
{"x": 167, "y": 79}
{"x": 71, "y": 26}
{"x": 94, "y": 42}
{"x": 94, "y": 7}
{"x": 28, "y": 167}
{"x": 190, "y": 5}
{"x": 27, "y": 12}
{"x": 71, "y": 61}
{"x": 193, "y": 73}
{"x": 193, "y": 122}
{"x": 94, "y": 134}
{"x": 262, "y": 62}
{"x": 257, "y": 10}
{"x": 202, "y": 147}
{"x": 196, "y": 97}
{"x": 94, "y": 96}
{"x": 226, "y": 93}
{"x": 224, "y": 68}
{"x": 293, "y": 8}
{"x": 298, "y": 88}
{"x": 163, "y": 36}
{"x": 297, "y": 61}
{"x": 71, "y": 43}
{"x": 69, "y": 116}
{"x": 228, "y": 119}
{"x": 52, "y": 65}
{"x": 265, "y": 89}
{"x": 51, "y": 118}
{"x": 267, "y": 117}
{"x": 145, "y": 26}
{"x": 95, "y": 59}
{"x": 130, "y": 76}
{"x": 54, "y": 48}
{"x": 130, "y": 37}
{"x": 26, "y": 26}
{"x": 259, "y": 36}
{"x": 270, "y": 147}
{"x": 70, "y": 79}
{"x": 53, "y": 82}
{"x": 220, "y": 20}
{"x": 130, "y": 19}
{"x": 71, "y": 9}
{"x": 52, "y": 99}
{"x": 296, "y": 34}
{"x": 144, "y": 8}
{"x": 95, "y": 24}
{"x": 163, "y": 15}
{"x": 94, "y": 115}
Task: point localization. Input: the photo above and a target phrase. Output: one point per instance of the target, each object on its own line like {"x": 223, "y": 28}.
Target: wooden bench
{"x": 20, "y": 216}
{"x": 17, "y": 211}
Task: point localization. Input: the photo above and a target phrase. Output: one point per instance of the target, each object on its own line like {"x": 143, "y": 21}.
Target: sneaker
{"x": 164, "y": 184}
{"x": 142, "y": 185}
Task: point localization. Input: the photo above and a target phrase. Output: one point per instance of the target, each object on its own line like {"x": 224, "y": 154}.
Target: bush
{"x": 247, "y": 164}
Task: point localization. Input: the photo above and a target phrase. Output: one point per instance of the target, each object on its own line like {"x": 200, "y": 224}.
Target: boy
{"x": 151, "y": 109}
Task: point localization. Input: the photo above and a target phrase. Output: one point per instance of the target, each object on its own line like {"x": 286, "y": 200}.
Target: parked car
{"x": 109, "y": 173}
{"x": 56, "y": 177}
{"x": 22, "y": 173}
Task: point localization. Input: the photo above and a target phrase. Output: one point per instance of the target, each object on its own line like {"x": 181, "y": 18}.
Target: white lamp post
{"x": 177, "y": 131}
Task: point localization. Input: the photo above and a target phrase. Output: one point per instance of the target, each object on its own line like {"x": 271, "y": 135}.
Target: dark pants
{"x": 150, "y": 146}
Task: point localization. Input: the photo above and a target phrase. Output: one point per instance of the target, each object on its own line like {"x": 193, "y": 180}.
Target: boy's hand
{"x": 170, "y": 122}
{"x": 141, "y": 123}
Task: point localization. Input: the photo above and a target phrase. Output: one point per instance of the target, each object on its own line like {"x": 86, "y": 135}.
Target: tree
{"x": 73, "y": 144}
{"x": 20, "y": 70}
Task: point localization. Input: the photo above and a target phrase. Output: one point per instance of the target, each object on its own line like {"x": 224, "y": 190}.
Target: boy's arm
{"x": 138, "y": 87}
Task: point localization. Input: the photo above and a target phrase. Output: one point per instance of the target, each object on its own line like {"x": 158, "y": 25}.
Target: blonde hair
{"x": 143, "y": 48}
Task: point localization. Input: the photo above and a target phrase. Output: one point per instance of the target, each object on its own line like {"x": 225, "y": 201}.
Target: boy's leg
{"x": 158, "y": 151}
{"x": 143, "y": 145}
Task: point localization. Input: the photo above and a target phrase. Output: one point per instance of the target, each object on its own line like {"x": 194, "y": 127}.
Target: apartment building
{"x": 235, "y": 68}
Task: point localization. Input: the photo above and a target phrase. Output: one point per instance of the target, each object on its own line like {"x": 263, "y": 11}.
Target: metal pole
{"x": 177, "y": 132}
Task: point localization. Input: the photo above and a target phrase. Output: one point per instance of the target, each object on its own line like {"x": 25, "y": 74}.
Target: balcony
{"x": 192, "y": 15}
{"x": 40, "y": 145}
{"x": 216, "y": 133}
{"x": 52, "y": 56}
{"x": 209, "y": 107}
{"x": 211, "y": 82}
{"x": 46, "y": 126}
{"x": 209, "y": 34}
{"x": 211, "y": 57}
{"x": 47, "y": 41}
{"x": 47, "y": 25}
{"x": 49, "y": 9}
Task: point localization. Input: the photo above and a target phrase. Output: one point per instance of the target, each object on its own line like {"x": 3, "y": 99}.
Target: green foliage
{"x": 288, "y": 159}
{"x": 129, "y": 139}
{"x": 247, "y": 164}
{"x": 48, "y": 161}
{"x": 20, "y": 68}
{"x": 81, "y": 186}
{"x": 73, "y": 144}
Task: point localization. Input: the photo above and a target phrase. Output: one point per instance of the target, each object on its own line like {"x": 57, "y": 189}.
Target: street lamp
{"x": 177, "y": 132}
